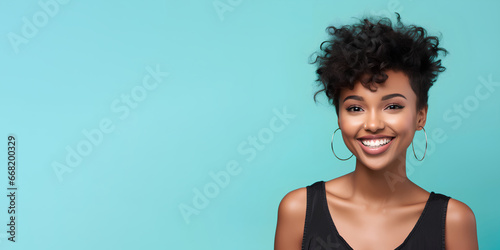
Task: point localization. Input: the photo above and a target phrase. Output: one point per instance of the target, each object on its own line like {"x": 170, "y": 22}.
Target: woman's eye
{"x": 354, "y": 109}
{"x": 395, "y": 106}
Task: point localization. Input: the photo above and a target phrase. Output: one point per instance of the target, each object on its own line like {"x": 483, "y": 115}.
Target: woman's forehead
{"x": 396, "y": 82}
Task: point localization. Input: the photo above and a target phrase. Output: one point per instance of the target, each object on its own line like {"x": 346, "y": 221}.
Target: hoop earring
{"x": 334, "y": 151}
{"x": 425, "y": 147}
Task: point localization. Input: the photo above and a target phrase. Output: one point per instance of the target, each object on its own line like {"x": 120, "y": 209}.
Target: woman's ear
{"x": 338, "y": 121}
{"x": 421, "y": 117}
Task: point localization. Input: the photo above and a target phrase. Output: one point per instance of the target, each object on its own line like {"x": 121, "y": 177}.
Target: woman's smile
{"x": 375, "y": 144}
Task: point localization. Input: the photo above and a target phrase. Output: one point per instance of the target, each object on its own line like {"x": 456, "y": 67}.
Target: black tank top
{"x": 320, "y": 232}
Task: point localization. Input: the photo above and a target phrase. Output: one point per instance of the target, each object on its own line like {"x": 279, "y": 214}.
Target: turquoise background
{"x": 229, "y": 76}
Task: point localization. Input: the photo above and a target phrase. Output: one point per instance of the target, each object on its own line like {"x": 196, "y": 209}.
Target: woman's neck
{"x": 380, "y": 188}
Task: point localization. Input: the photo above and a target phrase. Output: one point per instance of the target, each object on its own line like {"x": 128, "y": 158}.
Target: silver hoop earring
{"x": 425, "y": 147}
{"x": 334, "y": 150}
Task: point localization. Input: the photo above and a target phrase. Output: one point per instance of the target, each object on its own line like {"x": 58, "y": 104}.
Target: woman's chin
{"x": 377, "y": 163}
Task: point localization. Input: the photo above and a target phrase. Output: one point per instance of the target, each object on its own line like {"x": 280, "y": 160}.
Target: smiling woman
{"x": 377, "y": 75}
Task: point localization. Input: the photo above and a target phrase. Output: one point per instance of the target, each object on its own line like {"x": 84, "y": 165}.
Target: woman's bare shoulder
{"x": 294, "y": 203}
{"x": 459, "y": 214}
{"x": 291, "y": 220}
{"x": 292, "y": 216}
{"x": 460, "y": 228}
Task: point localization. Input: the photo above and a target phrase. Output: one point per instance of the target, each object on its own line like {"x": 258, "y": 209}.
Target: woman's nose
{"x": 373, "y": 122}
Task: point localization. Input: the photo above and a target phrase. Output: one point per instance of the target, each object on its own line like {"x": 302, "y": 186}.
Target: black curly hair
{"x": 363, "y": 51}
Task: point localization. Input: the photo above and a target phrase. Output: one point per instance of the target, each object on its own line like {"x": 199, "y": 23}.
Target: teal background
{"x": 228, "y": 77}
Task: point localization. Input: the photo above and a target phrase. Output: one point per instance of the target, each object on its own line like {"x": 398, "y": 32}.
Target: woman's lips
{"x": 374, "y": 150}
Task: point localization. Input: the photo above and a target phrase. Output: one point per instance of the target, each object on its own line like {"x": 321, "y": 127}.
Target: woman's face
{"x": 379, "y": 126}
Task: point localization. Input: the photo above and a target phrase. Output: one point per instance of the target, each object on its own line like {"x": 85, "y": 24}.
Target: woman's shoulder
{"x": 459, "y": 209}
{"x": 294, "y": 202}
{"x": 291, "y": 219}
{"x": 459, "y": 214}
{"x": 460, "y": 226}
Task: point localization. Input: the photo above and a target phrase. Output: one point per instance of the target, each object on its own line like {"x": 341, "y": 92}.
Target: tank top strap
{"x": 318, "y": 230}
{"x": 314, "y": 211}
{"x": 430, "y": 229}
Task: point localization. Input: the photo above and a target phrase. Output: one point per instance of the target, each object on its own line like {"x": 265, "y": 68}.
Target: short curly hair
{"x": 363, "y": 51}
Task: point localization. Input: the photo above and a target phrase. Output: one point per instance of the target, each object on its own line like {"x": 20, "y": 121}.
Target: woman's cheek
{"x": 404, "y": 127}
{"x": 350, "y": 128}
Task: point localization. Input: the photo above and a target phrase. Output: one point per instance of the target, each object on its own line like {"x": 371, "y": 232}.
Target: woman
{"x": 378, "y": 76}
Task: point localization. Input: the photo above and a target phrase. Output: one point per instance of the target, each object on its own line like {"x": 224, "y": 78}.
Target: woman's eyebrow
{"x": 386, "y": 97}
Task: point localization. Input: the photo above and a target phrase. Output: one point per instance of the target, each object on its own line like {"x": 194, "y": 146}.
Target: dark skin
{"x": 369, "y": 211}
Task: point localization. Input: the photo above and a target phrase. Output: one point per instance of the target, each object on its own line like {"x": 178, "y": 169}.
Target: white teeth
{"x": 376, "y": 143}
